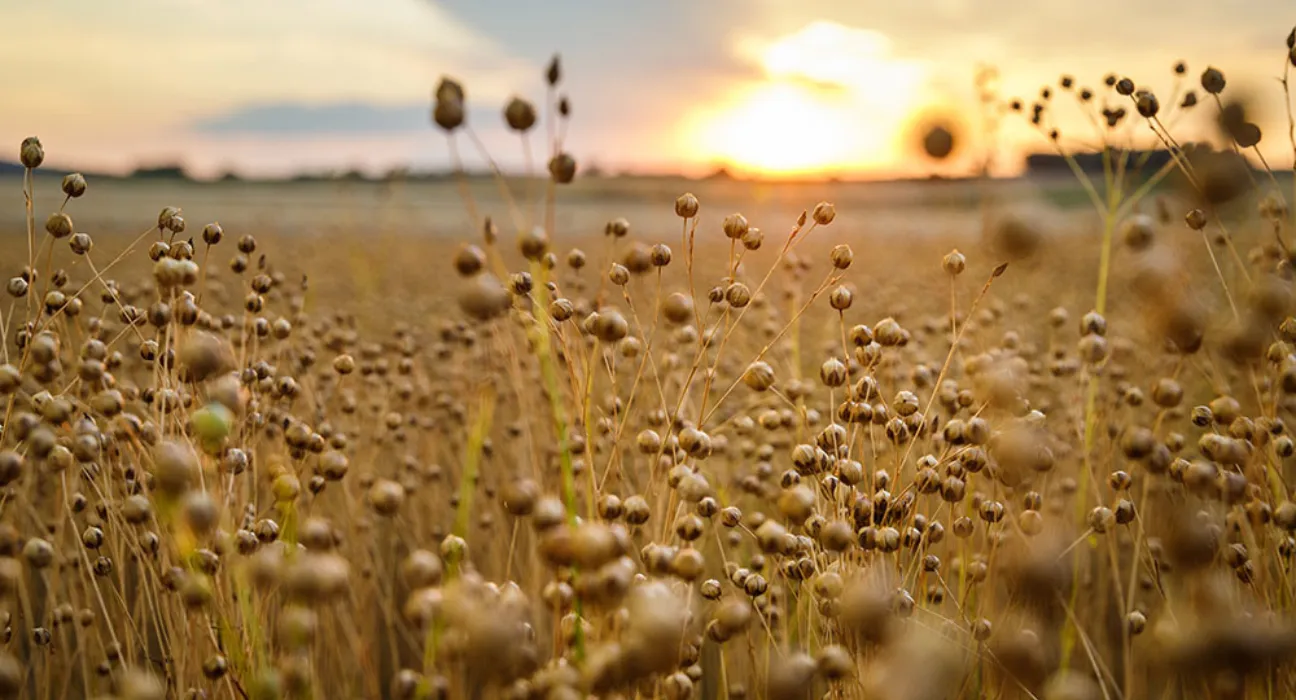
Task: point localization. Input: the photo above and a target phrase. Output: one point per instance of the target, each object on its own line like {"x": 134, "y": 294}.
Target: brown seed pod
{"x": 386, "y": 497}
{"x": 59, "y": 225}
{"x": 660, "y": 255}
{"x": 1015, "y": 237}
{"x": 520, "y": 496}
{"x": 841, "y": 298}
{"x": 74, "y": 184}
{"x": 31, "y": 154}
{"x": 610, "y": 326}
{"x": 735, "y": 225}
{"x": 639, "y": 259}
{"x": 738, "y": 295}
{"x": 421, "y": 568}
{"x": 204, "y": 356}
{"x": 842, "y": 256}
{"x": 759, "y": 376}
{"x": 519, "y": 114}
{"x": 448, "y": 114}
{"x": 469, "y": 260}
{"x": 175, "y": 468}
{"x": 619, "y": 275}
{"x": 562, "y": 168}
{"x": 686, "y": 206}
{"x": 1147, "y": 104}
{"x": 533, "y": 243}
{"x": 954, "y": 263}
{"x": 484, "y": 298}
{"x": 617, "y": 228}
{"x": 938, "y": 142}
{"x": 677, "y": 308}
{"x": 1138, "y": 232}
{"x": 824, "y": 213}
{"x": 1212, "y": 81}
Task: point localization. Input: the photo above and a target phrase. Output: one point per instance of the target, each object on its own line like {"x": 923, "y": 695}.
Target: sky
{"x": 761, "y": 87}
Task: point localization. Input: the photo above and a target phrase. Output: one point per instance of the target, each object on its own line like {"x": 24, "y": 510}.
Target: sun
{"x": 778, "y": 128}
{"x": 833, "y": 100}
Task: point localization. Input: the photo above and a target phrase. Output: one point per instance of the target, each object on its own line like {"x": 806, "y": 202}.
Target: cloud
{"x": 336, "y": 119}
{"x": 290, "y": 118}
{"x": 827, "y": 54}
{"x": 148, "y": 63}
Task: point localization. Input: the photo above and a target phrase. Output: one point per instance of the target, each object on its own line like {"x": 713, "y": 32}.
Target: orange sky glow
{"x": 818, "y": 88}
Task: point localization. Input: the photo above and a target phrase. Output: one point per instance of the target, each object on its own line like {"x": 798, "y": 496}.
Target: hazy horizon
{"x": 816, "y": 89}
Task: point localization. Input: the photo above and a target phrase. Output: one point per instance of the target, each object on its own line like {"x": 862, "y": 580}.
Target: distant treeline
{"x": 1093, "y": 163}
{"x": 1137, "y": 162}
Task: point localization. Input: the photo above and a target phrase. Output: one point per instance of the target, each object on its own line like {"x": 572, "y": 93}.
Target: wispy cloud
{"x": 294, "y": 119}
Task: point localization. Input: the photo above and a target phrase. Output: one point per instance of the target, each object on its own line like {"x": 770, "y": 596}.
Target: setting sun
{"x": 779, "y": 128}
{"x": 833, "y": 100}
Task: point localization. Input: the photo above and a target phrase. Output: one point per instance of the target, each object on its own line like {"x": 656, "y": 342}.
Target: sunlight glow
{"x": 781, "y": 128}
{"x": 833, "y": 99}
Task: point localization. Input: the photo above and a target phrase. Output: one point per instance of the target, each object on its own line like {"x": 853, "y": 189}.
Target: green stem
{"x": 472, "y": 460}
{"x": 549, "y": 373}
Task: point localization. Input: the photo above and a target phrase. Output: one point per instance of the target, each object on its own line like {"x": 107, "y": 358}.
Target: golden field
{"x": 648, "y": 437}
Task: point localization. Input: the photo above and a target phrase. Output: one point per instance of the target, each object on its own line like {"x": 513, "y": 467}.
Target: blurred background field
{"x": 921, "y": 394}
{"x": 435, "y": 207}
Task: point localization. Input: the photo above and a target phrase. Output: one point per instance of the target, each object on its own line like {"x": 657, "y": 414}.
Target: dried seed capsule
{"x": 1125, "y": 512}
{"x": 1138, "y": 232}
{"x": 1202, "y": 416}
{"x": 1212, "y": 81}
{"x": 520, "y": 497}
{"x": 660, "y": 255}
{"x": 735, "y": 225}
{"x": 954, "y": 263}
{"x": 386, "y": 497}
{"x": 841, "y": 298}
{"x": 469, "y": 260}
{"x": 953, "y": 489}
{"x": 562, "y": 168}
{"x": 617, "y": 228}
{"x": 1167, "y": 393}
{"x": 686, "y": 205}
{"x": 833, "y": 373}
{"x": 212, "y": 233}
{"x": 1147, "y": 104}
{"x": 1285, "y": 516}
{"x": 824, "y": 213}
{"x": 1136, "y": 622}
{"x": 1031, "y": 522}
{"x": 609, "y": 326}
{"x": 738, "y": 295}
{"x": 59, "y": 225}
{"x": 1101, "y": 519}
{"x": 31, "y": 154}
{"x": 553, "y": 73}
{"x": 619, "y": 275}
{"x": 759, "y": 376}
{"x": 519, "y": 114}
{"x": 842, "y": 256}
{"x": 938, "y": 142}
{"x": 81, "y": 243}
{"x": 533, "y": 243}
{"x": 561, "y": 310}
{"x": 175, "y": 468}
{"x": 1093, "y": 323}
